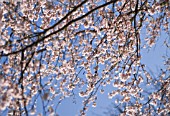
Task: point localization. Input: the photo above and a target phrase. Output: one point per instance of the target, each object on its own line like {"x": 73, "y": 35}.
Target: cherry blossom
{"x": 74, "y": 48}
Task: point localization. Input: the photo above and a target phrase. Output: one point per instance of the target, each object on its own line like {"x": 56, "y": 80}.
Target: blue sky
{"x": 153, "y": 60}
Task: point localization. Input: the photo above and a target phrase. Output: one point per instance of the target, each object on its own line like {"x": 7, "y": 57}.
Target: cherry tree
{"x": 54, "y": 49}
